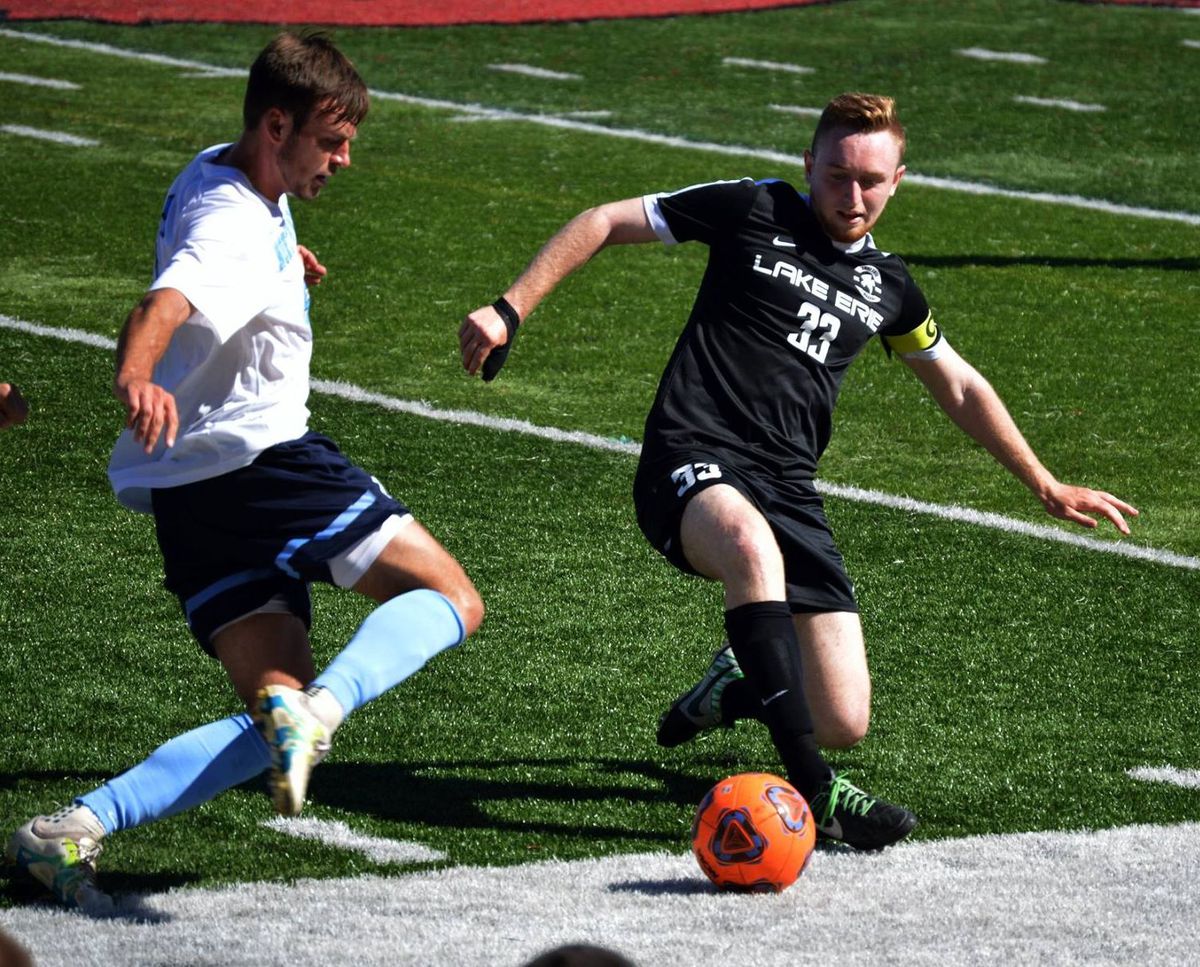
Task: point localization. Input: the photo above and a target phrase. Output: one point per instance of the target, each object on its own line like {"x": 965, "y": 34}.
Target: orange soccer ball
{"x": 753, "y": 832}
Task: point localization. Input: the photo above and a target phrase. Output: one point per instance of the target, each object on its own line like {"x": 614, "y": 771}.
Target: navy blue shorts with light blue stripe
{"x": 233, "y": 542}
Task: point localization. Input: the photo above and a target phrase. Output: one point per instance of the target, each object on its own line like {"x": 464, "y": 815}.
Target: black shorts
{"x": 814, "y": 571}
{"x": 232, "y": 543}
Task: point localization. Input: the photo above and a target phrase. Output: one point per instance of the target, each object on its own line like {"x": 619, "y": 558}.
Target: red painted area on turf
{"x": 1195, "y": 4}
{"x": 371, "y": 13}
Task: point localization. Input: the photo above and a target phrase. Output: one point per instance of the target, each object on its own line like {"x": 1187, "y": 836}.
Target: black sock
{"x": 739, "y": 701}
{"x": 763, "y": 639}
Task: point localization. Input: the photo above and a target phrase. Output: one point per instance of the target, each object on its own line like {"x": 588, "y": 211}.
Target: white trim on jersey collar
{"x": 853, "y": 248}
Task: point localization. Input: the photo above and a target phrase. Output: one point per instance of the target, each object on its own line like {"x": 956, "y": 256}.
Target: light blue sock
{"x": 186, "y": 771}
{"x": 394, "y": 641}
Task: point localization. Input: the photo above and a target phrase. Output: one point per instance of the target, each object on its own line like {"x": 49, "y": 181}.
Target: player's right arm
{"x": 970, "y": 401}
{"x": 149, "y": 409}
{"x": 616, "y": 223}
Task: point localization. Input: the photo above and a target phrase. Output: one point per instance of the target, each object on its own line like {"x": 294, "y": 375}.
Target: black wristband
{"x": 496, "y": 358}
{"x": 508, "y": 314}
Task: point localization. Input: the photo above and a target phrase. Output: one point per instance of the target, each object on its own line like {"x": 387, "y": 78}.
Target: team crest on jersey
{"x": 869, "y": 283}
{"x": 285, "y": 248}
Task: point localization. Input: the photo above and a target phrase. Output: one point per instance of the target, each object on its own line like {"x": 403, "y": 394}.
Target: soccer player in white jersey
{"x": 794, "y": 289}
{"x": 249, "y": 505}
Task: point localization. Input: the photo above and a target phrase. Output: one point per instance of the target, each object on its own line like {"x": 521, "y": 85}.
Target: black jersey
{"x": 781, "y": 313}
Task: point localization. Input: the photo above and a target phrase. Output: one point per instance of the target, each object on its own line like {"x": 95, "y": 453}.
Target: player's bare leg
{"x": 837, "y": 683}
{"x": 427, "y": 604}
{"x": 264, "y": 649}
{"x": 726, "y": 538}
{"x": 269, "y": 661}
{"x": 415, "y": 559}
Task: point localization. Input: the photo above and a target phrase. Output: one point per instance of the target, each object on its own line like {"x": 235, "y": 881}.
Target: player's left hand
{"x": 1077, "y": 504}
{"x": 481, "y": 333}
{"x": 314, "y": 271}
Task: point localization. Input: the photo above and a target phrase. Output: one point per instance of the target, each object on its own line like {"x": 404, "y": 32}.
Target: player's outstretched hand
{"x": 485, "y": 338}
{"x": 151, "y": 412}
{"x": 13, "y": 408}
{"x": 314, "y": 271}
{"x": 1078, "y": 504}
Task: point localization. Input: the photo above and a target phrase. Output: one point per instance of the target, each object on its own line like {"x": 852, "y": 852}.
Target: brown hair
{"x": 860, "y": 114}
{"x": 299, "y": 73}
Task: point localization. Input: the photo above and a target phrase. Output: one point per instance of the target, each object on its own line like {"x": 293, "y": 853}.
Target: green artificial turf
{"x": 1016, "y": 680}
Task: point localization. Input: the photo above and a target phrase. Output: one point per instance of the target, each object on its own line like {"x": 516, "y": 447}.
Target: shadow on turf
{"x": 695, "y": 886}
{"x": 676, "y": 886}
{"x": 408, "y": 794}
{"x": 85, "y": 780}
{"x": 128, "y": 890}
{"x": 1050, "y": 261}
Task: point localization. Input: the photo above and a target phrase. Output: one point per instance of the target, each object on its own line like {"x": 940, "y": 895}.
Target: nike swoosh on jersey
{"x": 783, "y": 242}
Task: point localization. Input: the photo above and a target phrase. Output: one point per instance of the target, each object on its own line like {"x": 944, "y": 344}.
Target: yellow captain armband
{"x": 921, "y": 343}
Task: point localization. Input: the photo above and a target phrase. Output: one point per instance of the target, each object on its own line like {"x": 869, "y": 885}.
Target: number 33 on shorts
{"x": 687, "y": 475}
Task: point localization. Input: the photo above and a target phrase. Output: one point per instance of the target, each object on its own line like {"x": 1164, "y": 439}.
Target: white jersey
{"x": 239, "y": 366}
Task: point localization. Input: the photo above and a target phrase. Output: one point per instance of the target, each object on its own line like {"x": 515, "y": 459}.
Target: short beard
{"x": 855, "y": 233}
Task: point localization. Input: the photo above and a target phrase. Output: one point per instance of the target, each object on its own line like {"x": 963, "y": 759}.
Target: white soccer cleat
{"x": 59, "y": 851}
{"x": 297, "y": 741}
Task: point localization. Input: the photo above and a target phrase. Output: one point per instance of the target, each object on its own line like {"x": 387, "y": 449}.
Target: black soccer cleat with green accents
{"x": 846, "y": 814}
{"x": 699, "y": 708}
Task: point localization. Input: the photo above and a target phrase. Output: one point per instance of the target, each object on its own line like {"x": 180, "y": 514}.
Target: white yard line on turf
{"x": 979, "y": 518}
{"x": 58, "y": 137}
{"x": 340, "y": 836}
{"x": 767, "y": 65}
{"x": 30, "y": 81}
{"x": 541, "y": 73}
{"x": 53, "y": 332}
{"x": 93, "y": 47}
{"x": 804, "y": 112}
{"x": 1066, "y": 105}
{"x": 479, "y": 118}
{"x": 951, "y": 512}
{"x": 646, "y": 137}
{"x": 1187, "y": 778}
{"x": 1005, "y": 56}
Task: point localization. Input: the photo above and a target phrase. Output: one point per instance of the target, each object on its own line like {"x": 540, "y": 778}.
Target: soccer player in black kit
{"x": 794, "y": 289}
